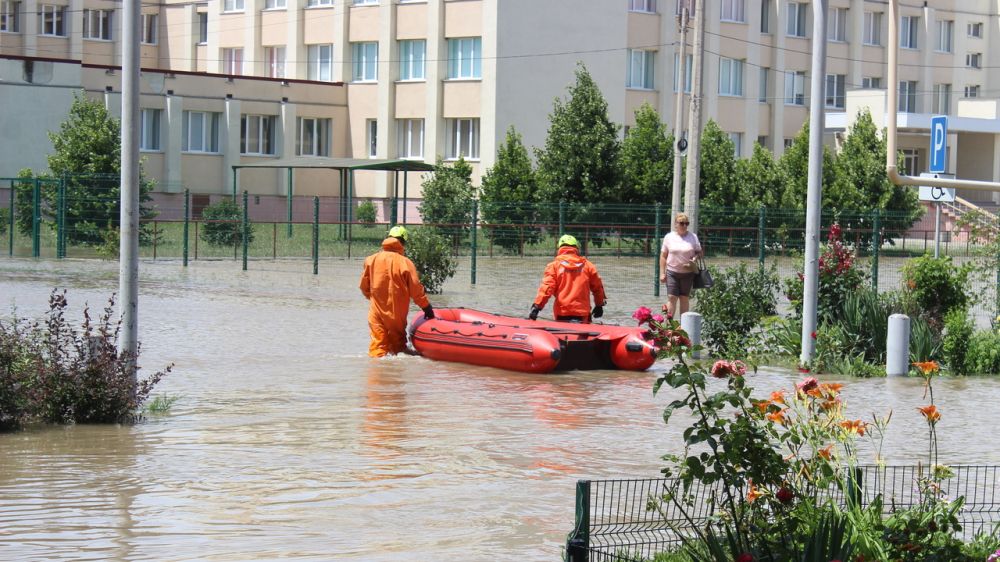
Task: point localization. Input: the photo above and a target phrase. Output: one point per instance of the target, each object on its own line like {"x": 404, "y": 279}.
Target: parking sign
{"x": 939, "y": 142}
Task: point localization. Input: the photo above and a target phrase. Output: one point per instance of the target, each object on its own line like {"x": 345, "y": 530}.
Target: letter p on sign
{"x": 939, "y": 142}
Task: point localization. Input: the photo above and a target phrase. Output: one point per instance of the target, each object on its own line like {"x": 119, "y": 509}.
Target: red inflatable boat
{"x": 535, "y": 346}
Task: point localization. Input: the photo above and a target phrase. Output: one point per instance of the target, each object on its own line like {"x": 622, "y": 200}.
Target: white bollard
{"x": 897, "y": 353}
{"x": 691, "y": 323}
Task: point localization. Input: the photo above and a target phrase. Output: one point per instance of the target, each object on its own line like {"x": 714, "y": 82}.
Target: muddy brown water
{"x": 288, "y": 442}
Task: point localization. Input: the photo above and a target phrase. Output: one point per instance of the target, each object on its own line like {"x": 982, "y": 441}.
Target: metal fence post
{"x": 876, "y": 245}
{"x": 10, "y": 238}
{"x": 761, "y": 230}
{"x": 315, "y": 240}
{"x": 36, "y": 219}
{"x": 562, "y": 218}
{"x": 475, "y": 221}
{"x": 288, "y": 212}
{"x": 578, "y": 541}
{"x": 657, "y": 223}
{"x": 61, "y": 219}
{"x": 187, "y": 222}
{"x": 245, "y": 228}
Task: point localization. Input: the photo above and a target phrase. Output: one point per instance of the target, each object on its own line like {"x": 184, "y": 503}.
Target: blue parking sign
{"x": 939, "y": 143}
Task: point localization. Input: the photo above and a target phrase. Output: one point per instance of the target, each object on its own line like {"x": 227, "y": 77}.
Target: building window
{"x": 9, "y": 16}
{"x": 732, "y": 10}
{"x": 688, "y": 64}
{"x": 275, "y": 59}
{"x": 908, "y": 96}
{"x": 836, "y": 25}
{"x": 787, "y": 142}
{"x": 908, "y": 28}
{"x": 371, "y": 132}
{"x": 313, "y": 137}
{"x": 762, "y": 141}
{"x": 639, "y": 72}
{"x": 365, "y": 2}
{"x": 942, "y": 99}
{"x": 232, "y": 61}
{"x": 365, "y": 61}
{"x": 465, "y": 58}
{"x": 200, "y": 132}
{"x": 233, "y": 5}
{"x": 730, "y": 77}
{"x": 320, "y": 62}
{"x": 911, "y": 161}
{"x": 644, "y": 6}
{"x": 202, "y": 28}
{"x": 974, "y": 60}
{"x": 53, "y": 20}
{"x": 975, "y": 30}
{"x": 737, "y": 140}
{"x": 765, "y": 16}
{"x": 972, "y": 91}
{"x": 795, "y": 88}
{"x": 871, "y": 83}
{"x": 275, "y": 4}
{"x": 97, "y": 24}
{"x": 463, "y": 139}
{"x": 411, "y": 138}
{"x": 762, "y": 85}
{"x": 796, "y": 25}
{"x": 149, "y": 129}
{"x": 945, "y": 36}
{"x": 873, "y": 29}
{"x": 149, "y": 29}
{"x": 313, "y": 3}
{"x": 836, "y": 86}
{"x": 412, "y": 56}
{"x": 257, "y": 134}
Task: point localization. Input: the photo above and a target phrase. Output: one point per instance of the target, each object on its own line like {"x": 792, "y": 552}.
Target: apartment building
{"x": 428, "y": 79}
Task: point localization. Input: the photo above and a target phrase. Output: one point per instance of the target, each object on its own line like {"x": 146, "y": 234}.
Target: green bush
{"x": 366, "y": 213}
{"x": 734, "y": 306}
{"x": 4, "y": 221}
{"x": 223, "y": 224}
{"x": 839, "y": 277}
{"x": 958, "y": 329}
{"x": 937, "y": 285}
{"x": 984, "y": 354}
{"x": 17, "y": 362}
{"x": 431, "y": 254}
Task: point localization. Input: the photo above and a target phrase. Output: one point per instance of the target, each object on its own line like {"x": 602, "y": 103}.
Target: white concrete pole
{"x": 691, "y": 323}
{"x": 897, "y": 354}
{"x": 814, "y": 194}
{"x": 691, "y": 193}
{"x": 128, "y": 263}
{"x": 675, "y": 199}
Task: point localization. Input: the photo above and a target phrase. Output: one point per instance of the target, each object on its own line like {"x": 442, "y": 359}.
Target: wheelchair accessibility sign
{"x": 940, "y": 194}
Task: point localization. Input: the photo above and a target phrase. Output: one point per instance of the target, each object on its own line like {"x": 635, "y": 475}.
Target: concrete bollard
{"x": 691, "y": 323}
{"x": 897, "y": 353}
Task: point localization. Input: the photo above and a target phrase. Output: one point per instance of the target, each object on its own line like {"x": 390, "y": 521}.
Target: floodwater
{"x": 288, "y": 442}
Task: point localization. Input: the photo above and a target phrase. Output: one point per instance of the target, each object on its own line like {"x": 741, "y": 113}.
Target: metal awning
{"x": 343, "y": 164}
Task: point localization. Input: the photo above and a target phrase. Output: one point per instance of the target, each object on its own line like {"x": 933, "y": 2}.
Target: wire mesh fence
{"x": 630, "y": 521}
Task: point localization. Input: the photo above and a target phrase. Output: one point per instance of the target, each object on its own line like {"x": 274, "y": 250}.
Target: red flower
{"x": 642, "y": 314}
{"x": 807, "y": 384}
{"x": 813, "y": 334}
{"x": 785, "y": 495}
{"x": 745, "y": 557}
{"x": 724, "y": 369}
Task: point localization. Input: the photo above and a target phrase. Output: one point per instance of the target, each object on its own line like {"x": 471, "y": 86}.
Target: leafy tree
{"x": 366, "y": 213}
{"x": 447, "y": 198}
{"x": 721, "y": 192}
{"x": 761, "y": 178}
{"x": 510, "y": 196}
{"x": 87, "y": 156}
{"x": 647, "y": 160}
{"x": 431, "y": 255}
{"x": 794, "y": 165}
{"x": 223, "y": 224}
{"x": 580, "y": 161}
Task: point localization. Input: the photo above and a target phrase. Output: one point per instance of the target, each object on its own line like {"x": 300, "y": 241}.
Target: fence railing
{"x": 630, "y": 521}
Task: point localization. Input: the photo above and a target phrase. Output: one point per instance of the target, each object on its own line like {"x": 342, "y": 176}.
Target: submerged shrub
{"x": 223, "y": 224}
{"x": 17, "y": 360}
{"x": 431, "y": 254}
{"x": 937, "y": 285}
{"x": 735, "y": 305}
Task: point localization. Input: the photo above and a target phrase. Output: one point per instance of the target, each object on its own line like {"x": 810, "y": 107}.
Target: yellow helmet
{"x": 567, "y": 240}
{"x": 399, "y": 232}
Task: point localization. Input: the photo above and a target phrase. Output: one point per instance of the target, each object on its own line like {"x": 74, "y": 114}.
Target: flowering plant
{"x": 839, "y": 276}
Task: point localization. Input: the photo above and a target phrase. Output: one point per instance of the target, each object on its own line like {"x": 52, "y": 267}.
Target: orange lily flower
{"x": 753, "y": 493}
{"x": 854, "y": 426}
{"x": 829, "y": 404}
{"x": 778, "y": 397}
{"x": 931, "y": 413}
{"x": 778, "y": 417}
{"x": 762, "y": 405}
{"x": 927, "y": 367}
{"x": 826, "y": 453}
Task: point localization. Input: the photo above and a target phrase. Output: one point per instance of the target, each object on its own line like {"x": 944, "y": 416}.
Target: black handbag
{"x": 703, "y": 279}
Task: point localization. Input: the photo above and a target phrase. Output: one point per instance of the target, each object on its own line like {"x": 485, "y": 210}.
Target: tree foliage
{"x": 761, "y": 178}
{"x": 719, "y": 187}
{"x": 223, "y": 224}
{"x": 431, "y": 255}
{"x": 647, "y": 160}
{"x": 447, "y": 197}
{"x": 509, "y": 195}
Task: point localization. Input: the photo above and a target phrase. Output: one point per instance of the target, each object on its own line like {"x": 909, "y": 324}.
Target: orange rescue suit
{"x": 571, "y": 278}
{"x": 389, "y": 281}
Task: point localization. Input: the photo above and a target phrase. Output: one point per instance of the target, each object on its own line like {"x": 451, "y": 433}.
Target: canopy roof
{"x": 343, "y": 164}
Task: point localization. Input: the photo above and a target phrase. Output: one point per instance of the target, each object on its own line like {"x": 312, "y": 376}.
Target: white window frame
{"x": 795, "y": 24}
{"x": 364, "y": 61}
{"x": 730, "y": 77}
{"x": 737, "y": 140}
{"x": 371, "y": 137}
{"x": 233, "y": 6}
{"x": 232, "y": 61}
{"x": 945, "y": 36}
{"x": 97, "y": 24}
{"x": 974, "y": 60}
{"x": 639, "y": 69}
{"x": 203, "y": 138}
{"x": 413, "y": 60}
{"x": 974, "y": 29}
{"x": 795, "y": 88}
{"x": 733, "y": 11}
{"x": 871, "y": 82}
{"x": 150, "y": 30}
{"x": 908, "y": 96}
{"x": 274, "y": 58}
{"x": 52, "y": 20}
{"x": 835, "y": 91}
{"x": 872, "y": 35}
{"x": 276, "y": 4}
{"x": 909, "y": 32}
{"x": 320, "y": 65}
{"x": 366, "y": 2}
{"x": 258, "y": 135}
{"x": 202, "y": 28}
{"x": 642, "y": 6}
{"x": 688, "y": 72}
{"x": 911, "y": 161}
{"x": 972, "y": 91}
{"x": 10, "y": 16}
{"x": 463, "y": 139}
{"x": 319, "y": 3}
{"x": 765, "y": 16}
{"x": 312, "y": 136}
{"x": 942, "y": 99}
{"x": 762, "y": 140}
{"x": 787, "y": 142}
{"x": 149, "y": 130}
{"x": 836, "y": 25}
{"x": 762, "y": 77}
{"x": 411, "y": 138}
{"x": 465, "y": 58}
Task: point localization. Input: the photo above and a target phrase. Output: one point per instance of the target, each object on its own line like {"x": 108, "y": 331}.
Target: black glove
{"x": 533, "y": 315}
{"x": 598, "y": 311}
{"x": 428, "y": 312}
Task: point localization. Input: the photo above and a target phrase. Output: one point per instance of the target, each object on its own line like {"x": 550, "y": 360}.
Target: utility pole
{"x": 128, "y": 261}
{"x": 692, "y": 180}
{"x": 814, "y": 194}
{"x": 675, "y": 200}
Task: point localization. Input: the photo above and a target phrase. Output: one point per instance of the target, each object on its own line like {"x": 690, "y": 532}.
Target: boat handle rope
{"x": 445, "y": 332}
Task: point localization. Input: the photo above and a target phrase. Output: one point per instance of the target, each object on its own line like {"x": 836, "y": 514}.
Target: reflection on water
{"x": 289, "y": 442}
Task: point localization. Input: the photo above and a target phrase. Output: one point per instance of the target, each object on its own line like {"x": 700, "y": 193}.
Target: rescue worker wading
{"x": 571, "y": 278}
{"x": 389, "y": 281}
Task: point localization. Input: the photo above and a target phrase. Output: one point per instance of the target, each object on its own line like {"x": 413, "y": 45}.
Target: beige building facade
{"x": 430, "y": 79}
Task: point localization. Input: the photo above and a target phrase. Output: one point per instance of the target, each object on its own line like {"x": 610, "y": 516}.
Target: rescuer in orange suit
{"x": 389, "y": 281}
{"x": 571, "y": 278}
